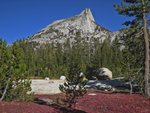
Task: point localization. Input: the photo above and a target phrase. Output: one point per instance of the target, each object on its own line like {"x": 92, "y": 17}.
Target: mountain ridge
{"x": 60, "y": 30}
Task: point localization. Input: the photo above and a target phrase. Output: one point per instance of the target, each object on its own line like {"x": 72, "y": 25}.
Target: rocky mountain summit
{"x": 82, "y": 25}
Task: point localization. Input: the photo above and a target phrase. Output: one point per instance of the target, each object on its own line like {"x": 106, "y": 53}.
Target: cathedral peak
{"x": 87, "y": 12}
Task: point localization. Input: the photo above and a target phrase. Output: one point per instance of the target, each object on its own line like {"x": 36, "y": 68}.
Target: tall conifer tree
{"x": 138, "y": 9}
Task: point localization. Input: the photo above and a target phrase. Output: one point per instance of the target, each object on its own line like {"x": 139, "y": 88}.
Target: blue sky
{"x": 23, "y": 18}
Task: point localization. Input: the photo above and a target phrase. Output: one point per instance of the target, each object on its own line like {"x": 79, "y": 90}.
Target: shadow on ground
{"x": 66, "y": 110}
{"x": 57, "y": 107}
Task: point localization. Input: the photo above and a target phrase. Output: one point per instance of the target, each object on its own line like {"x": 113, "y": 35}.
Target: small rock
{"x": 92, "y": 94}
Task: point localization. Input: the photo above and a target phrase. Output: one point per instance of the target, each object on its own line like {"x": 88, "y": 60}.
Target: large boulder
{"x": 47, "y": 78}
{"x": 62, "y": 78}
{"x": 104, "y": 74}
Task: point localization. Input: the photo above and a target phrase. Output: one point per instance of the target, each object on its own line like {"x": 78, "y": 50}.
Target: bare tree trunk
{"x": 5, "y": 90}
{"x": 146, "y": 41}
{"x": 131, "y": 87}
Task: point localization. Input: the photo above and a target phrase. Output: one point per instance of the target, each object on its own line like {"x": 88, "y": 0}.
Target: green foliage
{"x": 4, "y": 65}
{"x": 53, "y": 60}
{"x": 107, "y": 54}
{"x": 117, "y": 58}
{"x": 73, "y": 87}
{"x": 133, "y": 41}
{"x": 14, "y": 84}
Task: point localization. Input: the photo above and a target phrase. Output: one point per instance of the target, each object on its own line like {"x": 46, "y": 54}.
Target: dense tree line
{"x": 54, "y": 60}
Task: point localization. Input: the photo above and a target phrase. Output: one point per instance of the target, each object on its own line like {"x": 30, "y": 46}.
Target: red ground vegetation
{"x": 99, "y": 103}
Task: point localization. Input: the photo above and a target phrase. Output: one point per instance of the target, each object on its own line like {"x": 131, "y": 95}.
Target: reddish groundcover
{"x": 90, "y": 103}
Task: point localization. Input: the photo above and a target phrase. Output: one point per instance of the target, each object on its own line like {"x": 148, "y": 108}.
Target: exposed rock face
{"x": 61, "y": 30}
{"x": 104, "y": 73}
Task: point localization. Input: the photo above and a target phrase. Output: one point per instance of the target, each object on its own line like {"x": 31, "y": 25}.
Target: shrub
{"x": 73, "y": 88}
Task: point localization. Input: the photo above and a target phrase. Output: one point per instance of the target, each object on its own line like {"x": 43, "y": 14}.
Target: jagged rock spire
{"x": 87, "y": 12}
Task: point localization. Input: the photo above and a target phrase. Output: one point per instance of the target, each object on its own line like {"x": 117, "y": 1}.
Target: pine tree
{"x": 14, "y": 82}
{"x": 5, "y": 69}
{"x": 106, "y": 54}
{"x": 97, "y": 54}
{"x": 138, "y": 9}
{"x": 116, "y": 57}
{"x": 74, "y": 86}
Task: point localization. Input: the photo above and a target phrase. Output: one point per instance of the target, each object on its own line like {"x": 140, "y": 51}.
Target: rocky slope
{"x": 82, "y": 25}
